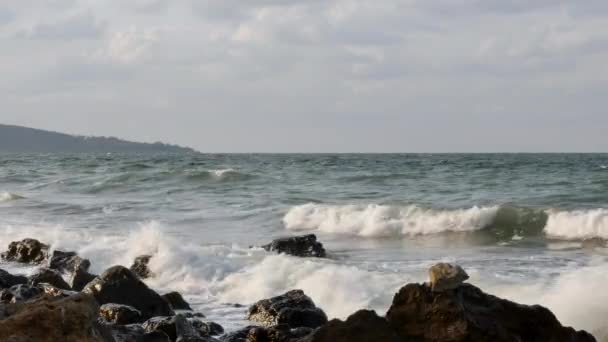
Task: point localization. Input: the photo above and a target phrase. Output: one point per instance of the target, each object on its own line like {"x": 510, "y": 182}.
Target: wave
{"x": 376, "y": 220}
{"x": 8, "y": 197}
{"x": 219, "y": 175}
{"x": 504, "y": 222}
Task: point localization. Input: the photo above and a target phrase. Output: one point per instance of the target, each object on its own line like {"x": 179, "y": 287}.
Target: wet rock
{"x": 279, "y": 333}
{"x": 20, "y": 293}
{"x": 362, "y": 326}
{"x": 207, "y": 328}
{"x": 301, "y": 246}
{"x": 140, "y": 267}
{"x": 467, "y": 314}
{"x": 7, "y": 280}
{"x": 80, "y": 278}
{"x": 119, "y": 314}
{"x": 119, "y": 285}
{"x": 194, "y": 315}
{"x": 294, "y": 309}
{"x": 175, "y": 326}
{"x": 27, "y": 251}
{"x": 71, "y": 319}
{"x": 445, "y": 276}
{"x": 67, "y": 262}
{"x": 128, "y": 333}
{"x": 176, "y": 301}
{"x": 52, "y": 277}
{"x": 156, "y": 336}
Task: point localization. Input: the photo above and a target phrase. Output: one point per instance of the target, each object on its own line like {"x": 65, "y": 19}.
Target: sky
{"x": 312, "y": 75}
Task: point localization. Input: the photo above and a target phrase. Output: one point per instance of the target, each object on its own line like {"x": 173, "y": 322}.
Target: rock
{"x": 207, "y": 328}
{"x": 279, "y": 333}
{"x": 194, "y": 314}
{"x": 176, "y": 301}
{"x": 362, "y": 326}
{"x": 445, "y": 276}
{"x": 67, "y": 262}
{"x": 301, "y": 246}
{"x": 27, "y": 251}
{"x": 156, "y": 336}
{"x": 80, "y": 278}
{"x": 294, "y": 309}
{"x": 175, "y": 326}
{"x": 119, "y": 314}
{"x": 140, "y": 266}
{"x": 7, "y": 280}
{"x": 119, "y": 285}
{"x": 25, "y": 292}
{"x": 128, "y": 333}
{"x": 52, "y": 277}
{"x": 71, "y": 319}
{"x": 467, "y": 314}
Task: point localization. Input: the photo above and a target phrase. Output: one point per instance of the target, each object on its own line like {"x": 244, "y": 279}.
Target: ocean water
{"x": 527, "y": 227}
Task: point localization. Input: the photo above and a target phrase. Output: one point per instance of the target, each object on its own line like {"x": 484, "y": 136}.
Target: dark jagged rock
{"x": 67, "y": 262}
{"x": 7, "y": 280}
{"x": 71, "y": 319}
{"x": 175, "y": 327}
{"x": 362, "y": 326}
{"x": 155, "y": 336}
{"x": 176, "y": 301}
{"x": 119, "y": 314}
{"x": 294, "y": 309}
{"x": 128, "y": 333}
{"x": 25, "y": 292}
{"x": 467, "y": 314}
{"x": 279, "y": 333}
{"x": 301, "y": 246}
{"x": 207, "y": 328}
{"x": 46, "y": 275}
{"x": 119, "y": 285}
{"x": 140, "y": 266}
{"x": 80, "y": 278}
{"x": 29, "y": 251}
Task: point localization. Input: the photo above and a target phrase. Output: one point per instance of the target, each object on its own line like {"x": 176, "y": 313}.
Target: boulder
{"x": 119, "y": 314}
{"x": 174, "y": 326}
{"x": 52, "y": 277}
{"x": 7, "y": 280}
{"x": 467, "y": 314}
{"x": 445, "y": 276}
{"x": 119, "y": 285}
{"x": 27, "y": 251}
{"x": 293, "y": 309}
{"x": 80, "y": 278}
{"x": 362, "y": 326}
{"x": 71, "y": 319}
{"x": 67, "y": 262}
{"x": 279, "y": 333}
{"x": 176, "y": 301}
{"x": 207, "y": 328}
{"x": 140, "y": 266}
{"x": 25, "y": 292}
{"x": 128, "y": 333}
{"x": 301, "y": 246}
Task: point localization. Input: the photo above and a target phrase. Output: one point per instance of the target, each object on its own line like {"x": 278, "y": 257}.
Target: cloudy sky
{"x": 312, "y": 75}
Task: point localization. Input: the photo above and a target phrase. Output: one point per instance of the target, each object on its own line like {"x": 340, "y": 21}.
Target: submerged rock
{"x": 52, "y": 277}
{"x": 176, "y": 301}
{"x": 301, "y": 246}
{"x": 140, "y": 266}
{"x": 7, "y": 280}
{"x": 71, "y": 319}
{"x": 467, "y": 314}
{"x": 29, "y": 251}
{"x": 294, "y": 309}
{"x": 68, "y": 262}
{"x": 120, "y": 314}
{"x": 119, "y": 285}
{"x": 445, "y": 276}
{"x": 362, "y": 326}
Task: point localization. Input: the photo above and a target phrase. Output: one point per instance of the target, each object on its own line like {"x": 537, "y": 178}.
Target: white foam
{"x": 381, "y": 220}
{"x": 222, "y": 172}
{"x": 7, "y": 197}
{"x": 578, "y": 224}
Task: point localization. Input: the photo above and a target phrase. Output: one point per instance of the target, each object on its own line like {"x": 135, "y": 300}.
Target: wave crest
{"x": 375, "y": 220}
{"x": 7, "y": 197}
{"x": 578, "y": 224}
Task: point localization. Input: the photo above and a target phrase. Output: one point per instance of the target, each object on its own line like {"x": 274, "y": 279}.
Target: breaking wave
{"x": 374, "y": 220}
{"x": 7, "y": 197}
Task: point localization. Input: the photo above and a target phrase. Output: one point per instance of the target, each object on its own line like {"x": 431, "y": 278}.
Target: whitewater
{"x": 531, "y": 228}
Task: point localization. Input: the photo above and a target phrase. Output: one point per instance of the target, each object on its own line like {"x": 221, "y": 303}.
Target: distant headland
{"x": 18, "y": 139}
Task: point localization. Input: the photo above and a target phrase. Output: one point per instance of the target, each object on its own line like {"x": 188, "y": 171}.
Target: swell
{"x": 504, "y": 222}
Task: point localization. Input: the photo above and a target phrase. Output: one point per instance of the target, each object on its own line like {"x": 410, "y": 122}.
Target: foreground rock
{"x": 7, "y": 280}
{"x": 27, "y": 251}
{"x": 119, "y": 314}
{"x": 467, "y": 314}
{"x": 25, "y": 292}
{"x": 301, "y": 246}
{"x": 140, "y": 267}
{"x": 176, "y": 301}
{"x": 118, "y": 285}
{"x": 293, "y": 309}
{"x": 279, "y": 333}
{"x": 362, "y": 326}
{"x": 446, "y": 277}
{"x": 52, "y": 277}
{"x": 71, "y": 319}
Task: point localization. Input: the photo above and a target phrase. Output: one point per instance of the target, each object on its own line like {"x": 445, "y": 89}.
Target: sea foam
{"x": 7, "y": 197}
{"x": 577, "y": 224}
{"x": 375, "y": 220}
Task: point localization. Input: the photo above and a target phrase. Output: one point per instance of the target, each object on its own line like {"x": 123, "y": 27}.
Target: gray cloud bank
{"x": 314, "y": 75}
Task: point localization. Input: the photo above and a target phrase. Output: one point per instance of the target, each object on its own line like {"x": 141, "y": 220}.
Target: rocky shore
{"x": 63, "y": 302}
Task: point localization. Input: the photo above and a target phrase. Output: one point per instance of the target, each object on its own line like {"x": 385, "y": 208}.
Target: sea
{"x": 531, "y": 228}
